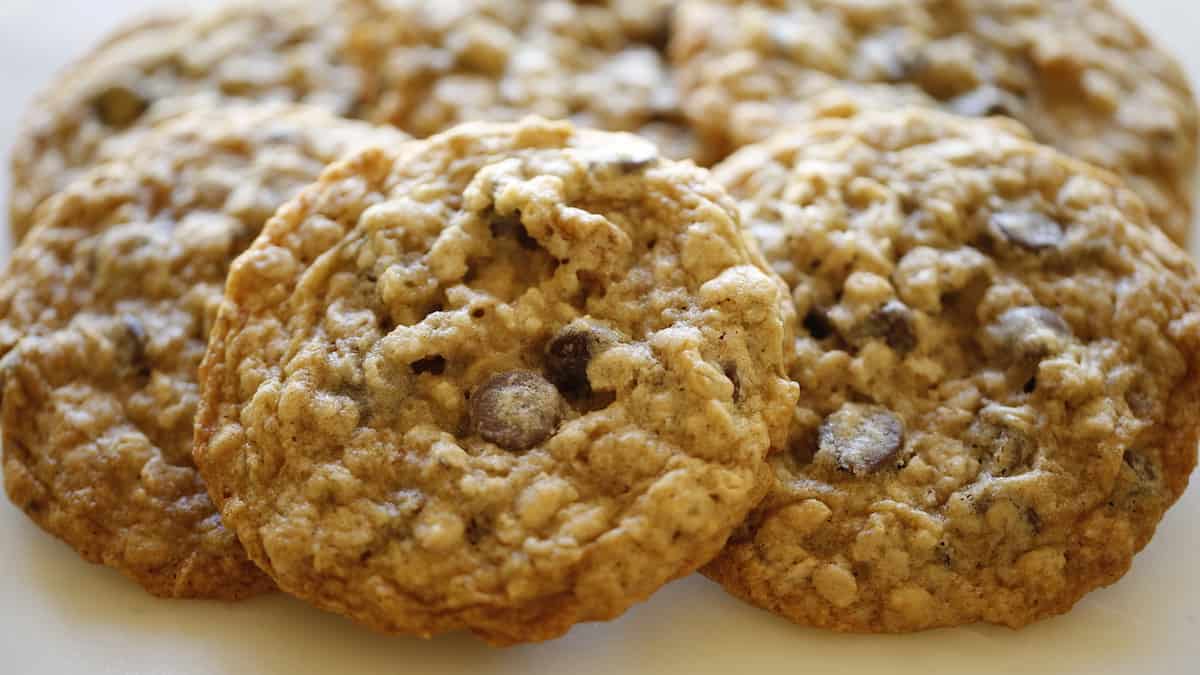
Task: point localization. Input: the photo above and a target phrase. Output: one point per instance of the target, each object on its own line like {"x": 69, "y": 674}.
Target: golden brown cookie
{"x": 1080, "y": 74}
{"x": 157, "y": 67}
{"x": 999, "y": 364}
{"x": 515, "y": 378}
{"x": 422, "y": 66}
{"x": 599, "y": 63}
{"x": 104, "y": 314}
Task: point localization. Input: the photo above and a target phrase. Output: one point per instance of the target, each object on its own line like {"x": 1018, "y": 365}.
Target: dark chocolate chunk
{"x": 567, "y": 357}
{"x": 119, "y": 106}
{"x": 1029, "y": 230}
{"x": 861, "y": 438}
{"x": 516, "y": 410}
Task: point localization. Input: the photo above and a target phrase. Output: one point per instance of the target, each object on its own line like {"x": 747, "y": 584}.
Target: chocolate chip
{"x": 1027, "y": 229}
{"x": 986, "y": 101}
{"x": 802, "y": 447}
{"x": 1034, "y": 520}
{"x": 135, "y": 340}
{"x": 1141, "y": 397}
{"x": 632, "y": 165}
{"x": 433, "y": 365}
{"x": 1028, "y": 333}
{"x": 476, "y": 530}
{"x": 1141, "y": 465}
{"x": 1003, "y": 450}
{"x": 861, "y": 438}
{"x": 1041, "y": 316}
{"x": 511, "y": 226}
{"x": 119, "y": 106}
{"x": 894, "y": 323}
{"x": 817, "y": 323}
{"x": 516, "y": 410}
{"x": 567, "y": 357}
{"x": 624, "y": 159}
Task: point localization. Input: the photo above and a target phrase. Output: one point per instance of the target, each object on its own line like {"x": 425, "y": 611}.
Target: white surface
{"x": 60, "y": 615}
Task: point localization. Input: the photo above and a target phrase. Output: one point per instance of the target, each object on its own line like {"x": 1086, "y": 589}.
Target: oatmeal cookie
{"x": 1081, "y": 75}
{"x": 104, "y": 314}
{"x": 599, "y": 63}
{"x": 515, "y": 379}
{"x": 422, "y": 66}
{"x": 282, "y": 50}
{"x": 999, "y": 362}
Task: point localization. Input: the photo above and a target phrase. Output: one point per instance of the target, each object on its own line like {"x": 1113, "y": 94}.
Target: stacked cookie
{"x": 887, "y": 367}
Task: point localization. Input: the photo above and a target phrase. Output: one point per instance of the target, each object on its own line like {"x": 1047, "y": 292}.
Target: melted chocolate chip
{"x": 1142, "y": 466}
{"x": 433, "y": 365}
{"x": 1003, "y": 450}
{"x": 516, "y": 410}
{"x": 135, "y": 340}
{"x": 632, "y": 165}
{"x": 1027, "y": 334}
{"x": 803, "y": 448}
{"x": 894, "y": 323}
{"x": 119, "y": 106}
{"x": 817, "y": 323}
{"x": 986, "y": 101}
{"x": 1029, "y": 230}
{"x": 860, "y": 438}
{"x": 626, "y": 160}
{"x": 567, "y": 359}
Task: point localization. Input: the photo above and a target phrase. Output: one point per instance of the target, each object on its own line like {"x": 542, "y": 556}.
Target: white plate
{"x": 59, "y": 615}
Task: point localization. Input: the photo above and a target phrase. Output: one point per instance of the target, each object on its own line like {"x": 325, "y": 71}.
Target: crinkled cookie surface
{"x": 104, "y": 315}
{"x": 598, "y": 63}
{"x": 999, "y": 370}
{"x": 422, "y": 66}
{"x": 508, "y": 379}
{"x": 159, "y": 66}
{"x": 1081, "y": 75}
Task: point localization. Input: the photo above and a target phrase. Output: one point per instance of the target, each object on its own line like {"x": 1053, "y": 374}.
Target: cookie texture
{"x": 421, "y": 66}
{"x": 999, "y": 368}
{"x": 1081, "y": 75}
{"x": 514, "y": 379}
{"x": 105, "y": 311}
{"x": 599, "y": 63}
{"x": 164, "y": 64}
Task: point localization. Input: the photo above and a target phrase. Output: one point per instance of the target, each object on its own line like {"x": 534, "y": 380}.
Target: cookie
{"x": 104, "y": 315}
{"x": 169, "y": 63}
{"x": 999, "y": 363}
{"x": 598, "y": 63}
{"x": 514, "y": 379}
{"x": 421, "y": 66}
{"x": 1081, "y": 75}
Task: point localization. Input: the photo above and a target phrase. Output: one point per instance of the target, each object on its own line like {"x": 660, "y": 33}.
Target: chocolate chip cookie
{"x": 599, "y": 63}
{"x": 1078, "y": 73}
{"x": 999, "y": 363}
{"x": 168, "y": 63}
{"x": 104, "y": 315}
{"x": 421, "y": 66}
{"x": 511, "y": 379}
